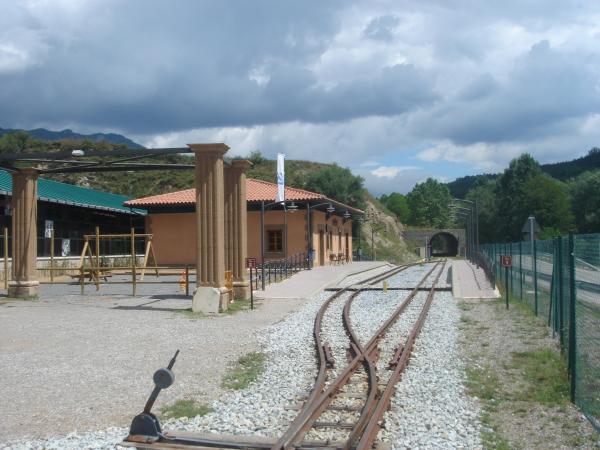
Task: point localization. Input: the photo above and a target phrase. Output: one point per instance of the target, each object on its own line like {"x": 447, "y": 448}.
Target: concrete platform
{"x": 468, "y": 281}
{"x": 307, "y": 283}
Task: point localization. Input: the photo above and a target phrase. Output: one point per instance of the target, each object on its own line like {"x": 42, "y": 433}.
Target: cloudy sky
{"x": 395, "y": 90}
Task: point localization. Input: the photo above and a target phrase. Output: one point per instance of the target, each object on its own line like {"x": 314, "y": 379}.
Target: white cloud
{"x": 369, "y": 163}
{"x": 391, "y": 171}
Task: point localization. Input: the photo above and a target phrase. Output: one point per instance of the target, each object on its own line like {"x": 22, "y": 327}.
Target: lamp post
{"x": 292, "y": 207}
{"x": 370, "y": 217}
{"x": 466, "y": 213}
{"x": 475, "y": 219}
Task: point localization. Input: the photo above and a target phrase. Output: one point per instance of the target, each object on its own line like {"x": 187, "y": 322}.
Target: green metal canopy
{"x": 69, "y": 194}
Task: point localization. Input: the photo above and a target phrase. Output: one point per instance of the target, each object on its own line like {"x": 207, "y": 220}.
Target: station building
{"x": 309, "y": 220}
{"x": 70, "y": 212}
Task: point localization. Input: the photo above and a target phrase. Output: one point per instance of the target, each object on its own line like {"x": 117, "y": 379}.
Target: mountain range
{"x": 47, "y": 135}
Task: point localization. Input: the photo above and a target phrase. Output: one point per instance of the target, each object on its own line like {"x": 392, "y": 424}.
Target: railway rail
{"x": 348, "y": 404}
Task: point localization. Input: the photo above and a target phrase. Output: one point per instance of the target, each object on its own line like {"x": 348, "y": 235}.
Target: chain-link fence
{"x": 559, "y": 279}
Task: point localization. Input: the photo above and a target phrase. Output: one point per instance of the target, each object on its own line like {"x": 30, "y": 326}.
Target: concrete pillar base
{"x": 241, "y": 289}
{"x": 23, "y": 289}
{"x": 209, "y": 300}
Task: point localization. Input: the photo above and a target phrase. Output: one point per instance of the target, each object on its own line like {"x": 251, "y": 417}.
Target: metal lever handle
{"x": 163, "y": 378}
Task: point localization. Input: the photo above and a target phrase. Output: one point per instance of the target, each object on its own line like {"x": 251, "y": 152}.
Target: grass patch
{"x": 191, "y": 314}
{"x": 246, "y": 370}
{"x": 491, "y": 440}
{"x": 546, "y": 375}
{"x": 238, "y": 305}
{"x": 482, "y": 383}
{"x": 185, "y": 408}
{"x": 465, "y": 306}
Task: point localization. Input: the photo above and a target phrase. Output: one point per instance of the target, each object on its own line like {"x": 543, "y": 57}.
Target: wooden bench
{"x": 89, "y": 274}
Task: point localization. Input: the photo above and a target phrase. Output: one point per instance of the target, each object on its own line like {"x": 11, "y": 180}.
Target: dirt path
{"x": 515, "y": 369}
{"x": 75, "y": 363}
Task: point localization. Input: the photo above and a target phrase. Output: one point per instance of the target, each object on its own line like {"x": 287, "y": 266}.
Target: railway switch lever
{"x": 145, "y": 426}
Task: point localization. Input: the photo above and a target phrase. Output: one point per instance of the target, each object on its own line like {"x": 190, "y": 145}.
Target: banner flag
{"x": 280, "y": 178}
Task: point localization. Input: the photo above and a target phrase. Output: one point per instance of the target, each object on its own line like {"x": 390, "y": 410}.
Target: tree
{"x": 511, "y": 193}
{"x": 14, "y": 142}
{"x": 428, "y": 203}
{"x": 585, "y": 194}
{"x": 548, "y": 200}
{"x": 398, "y": 204}
{"x": 256, "y": 157}
{"x": 338, "y": 183}
{"x": 484, "y": 193}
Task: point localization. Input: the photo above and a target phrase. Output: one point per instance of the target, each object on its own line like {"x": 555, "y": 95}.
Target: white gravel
{"x": 397, "y": 334}
{"x": 333, "y": 333}
{"x": 357, "y": 278}
{"x": 409, "y": 277}
{"x": 430, "y": 408}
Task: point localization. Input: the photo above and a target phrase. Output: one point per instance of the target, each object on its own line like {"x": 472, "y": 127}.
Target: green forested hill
{"x": 562, "y": 171}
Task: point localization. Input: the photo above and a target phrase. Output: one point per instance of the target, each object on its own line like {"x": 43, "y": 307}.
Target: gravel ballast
{"x": 429, "y": 410}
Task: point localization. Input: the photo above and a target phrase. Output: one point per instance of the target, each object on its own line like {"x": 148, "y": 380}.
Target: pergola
{"x": 220, "y": 211}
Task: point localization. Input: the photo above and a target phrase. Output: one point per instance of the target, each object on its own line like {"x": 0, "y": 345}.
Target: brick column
{"x": 211, "y": 294}
{"x": 24, "y": 234}
{"x": 236, "y": 226}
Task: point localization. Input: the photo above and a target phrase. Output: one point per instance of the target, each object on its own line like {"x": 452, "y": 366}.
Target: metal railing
{"x": 276, "y": 270}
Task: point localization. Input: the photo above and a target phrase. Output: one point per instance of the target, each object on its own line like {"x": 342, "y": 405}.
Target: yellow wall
{"x": 175, "y": 235}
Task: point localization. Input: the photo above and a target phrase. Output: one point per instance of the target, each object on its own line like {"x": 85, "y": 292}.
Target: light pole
{"x": 370, "y": 217}
{"x": 475, "y": 219}
{"x": 292, "y": 207}
{"x": 466, "y": 214}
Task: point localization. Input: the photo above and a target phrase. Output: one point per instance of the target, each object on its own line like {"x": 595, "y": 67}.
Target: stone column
{"x": 236, "y": 226}
{"x": 211, "y": 294}
{"x": 24, "y": 234}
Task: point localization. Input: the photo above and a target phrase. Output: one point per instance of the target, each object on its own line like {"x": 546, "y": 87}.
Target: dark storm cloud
{"x": 545, "y": 88}
{"x": 153, "y": 67}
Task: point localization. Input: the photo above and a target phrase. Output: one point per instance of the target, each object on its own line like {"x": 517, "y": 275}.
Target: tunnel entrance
{"x": 443, "y": 244}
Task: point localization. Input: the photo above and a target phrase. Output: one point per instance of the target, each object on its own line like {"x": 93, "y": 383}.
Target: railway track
{"x": 345, "y": 406}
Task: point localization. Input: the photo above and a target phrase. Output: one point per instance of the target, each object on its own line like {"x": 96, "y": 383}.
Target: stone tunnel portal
{"x": 443, "y": 244}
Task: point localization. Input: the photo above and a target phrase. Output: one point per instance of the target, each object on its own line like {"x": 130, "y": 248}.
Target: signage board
{"x": 49, "y": 227}
{"x": 506, "y": 260}
{"x": 250, "y": 263}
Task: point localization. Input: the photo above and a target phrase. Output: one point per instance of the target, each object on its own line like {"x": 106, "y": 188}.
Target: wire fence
{"x": 559, "y": 279}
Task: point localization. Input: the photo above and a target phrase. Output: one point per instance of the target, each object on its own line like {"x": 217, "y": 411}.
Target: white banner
{"x": 65, "y": 248}
{"x": 48, "y": 228}
{"x": 280, "y": 178}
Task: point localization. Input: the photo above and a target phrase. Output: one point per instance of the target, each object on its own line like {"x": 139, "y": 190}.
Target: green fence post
{"x": 521, "y": 270}
{"x": 512, "y": 283}
{"x": 572, "y": 331}
{"x": 534, "y": 267}
{"x": 553, "y": 288}
{"x": 561, "y": 294}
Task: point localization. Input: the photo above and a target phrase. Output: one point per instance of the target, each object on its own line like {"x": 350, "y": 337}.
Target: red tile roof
{"x": 257, "y": 191}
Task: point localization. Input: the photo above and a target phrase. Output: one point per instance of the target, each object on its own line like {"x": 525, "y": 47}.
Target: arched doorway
{"x": 443, "y": 244}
